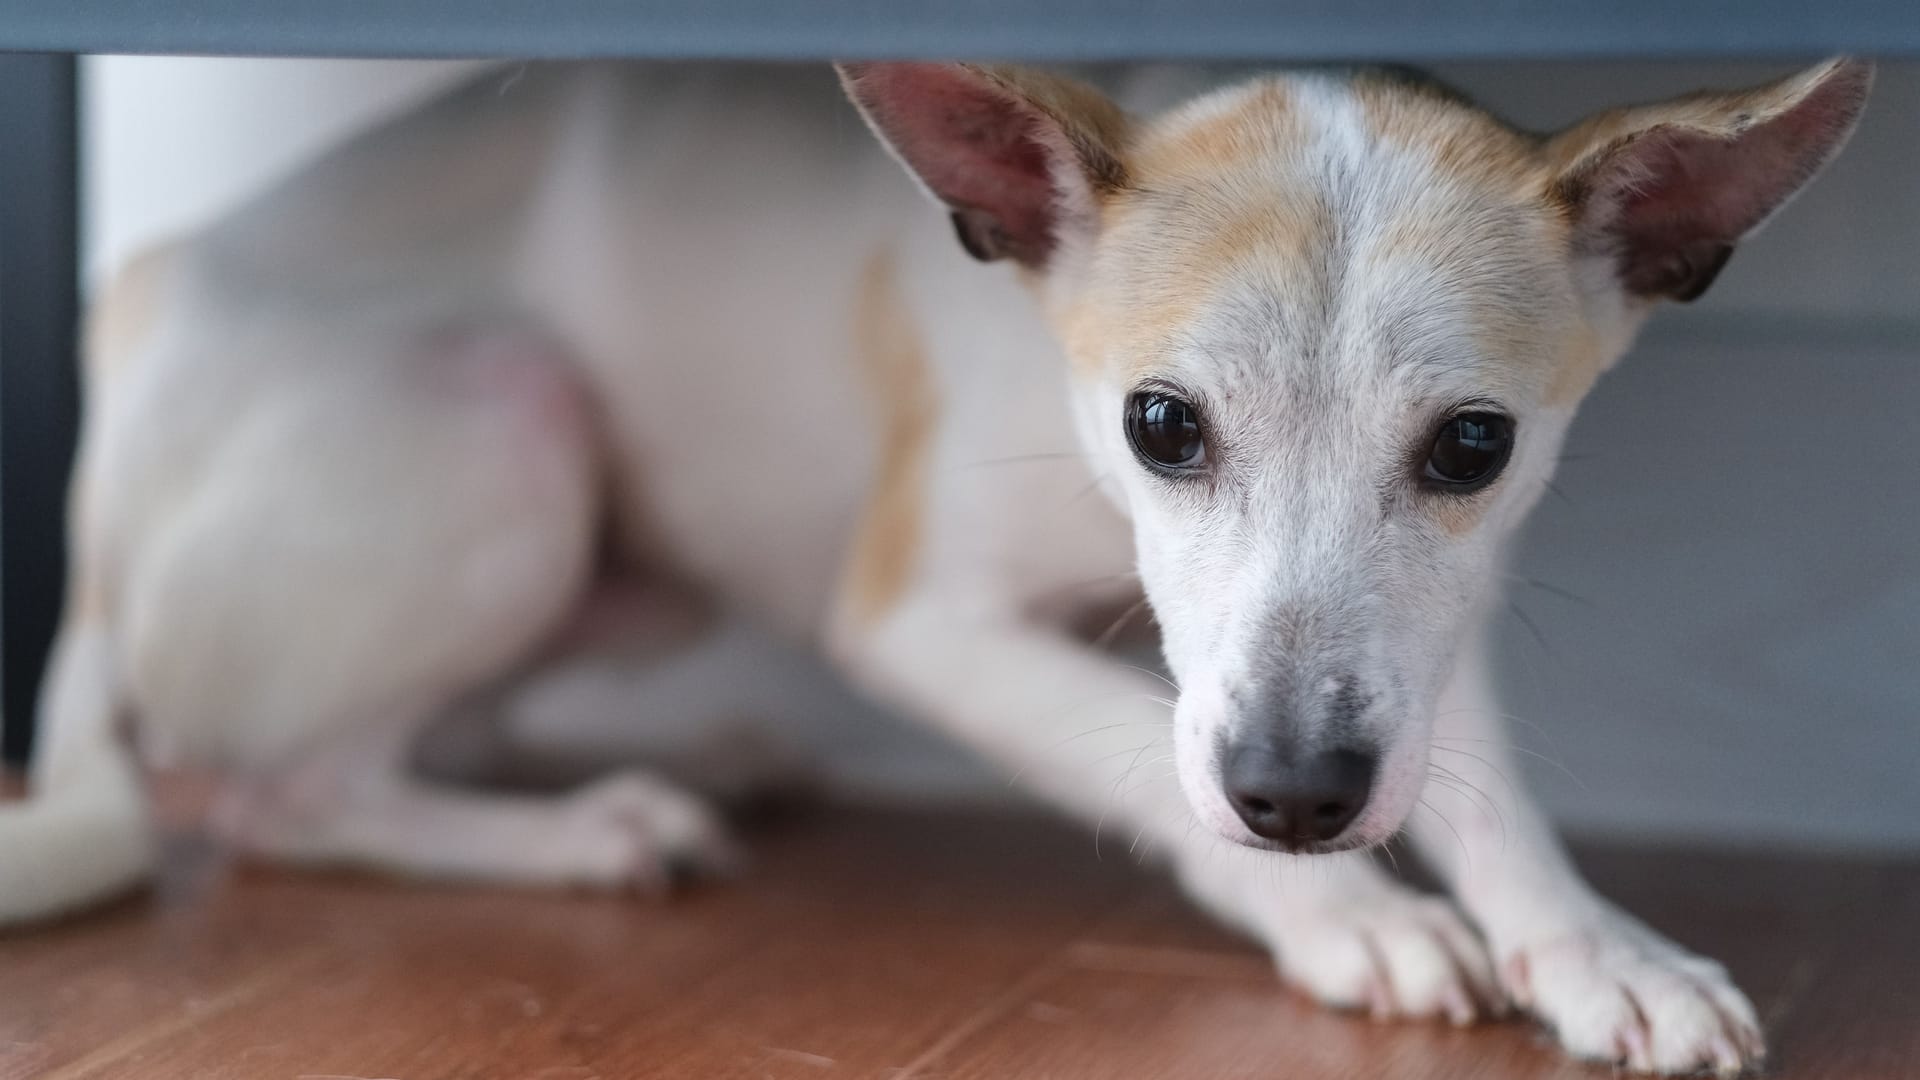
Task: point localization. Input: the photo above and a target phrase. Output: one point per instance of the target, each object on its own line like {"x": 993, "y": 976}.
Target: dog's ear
{"x": 1668, "y": 190}
{"x": 1022, "y": 159}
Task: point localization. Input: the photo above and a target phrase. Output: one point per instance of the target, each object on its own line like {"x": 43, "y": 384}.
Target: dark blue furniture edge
{"x": 1409, "y": 30}
{"x": 39, "y": 379}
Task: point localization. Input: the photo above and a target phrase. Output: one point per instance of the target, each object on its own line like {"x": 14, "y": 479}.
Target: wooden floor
{"x": 864, "y": 945}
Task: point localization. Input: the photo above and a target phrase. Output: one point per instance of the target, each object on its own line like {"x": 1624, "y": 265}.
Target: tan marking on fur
{"x": 1176, "y": 266}
{"x": 1259, "y": 122}
{"x": 116, "y": 324}
{"x": 894, "y": 362}
{"x": 1200, "y": 208}
{"x": 1460, "y": 516}
{"x": 1461, "y": 139}
{"x": 1581, "y": 362}
{"x": 126, "y": 312}
{"x": 87, "y": 602}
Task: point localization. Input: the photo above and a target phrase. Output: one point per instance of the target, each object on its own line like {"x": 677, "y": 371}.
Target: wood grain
{"x": 865, "y": 944}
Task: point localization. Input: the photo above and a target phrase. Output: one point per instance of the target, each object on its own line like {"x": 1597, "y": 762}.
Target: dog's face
{"x": 1327, "y": 335}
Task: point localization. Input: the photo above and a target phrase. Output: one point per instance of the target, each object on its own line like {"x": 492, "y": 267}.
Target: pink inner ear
{"x": 1720, "y": 188}
{"x": 1685, "y": 199}
{"x": 976, "y": 145}
{"x": 1682, "y": 198}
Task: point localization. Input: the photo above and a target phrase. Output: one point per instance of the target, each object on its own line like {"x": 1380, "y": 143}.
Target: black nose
{"x": 1297, "y": 800}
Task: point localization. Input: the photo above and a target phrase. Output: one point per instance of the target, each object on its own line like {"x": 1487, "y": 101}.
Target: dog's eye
{"x": 1469, "y": 450}
{"x": 1165, "y": 431}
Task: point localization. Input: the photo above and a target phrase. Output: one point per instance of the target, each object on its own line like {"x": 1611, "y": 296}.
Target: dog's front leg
{"x": 1094, "y": 736}
{"x": 1611, "y": 987}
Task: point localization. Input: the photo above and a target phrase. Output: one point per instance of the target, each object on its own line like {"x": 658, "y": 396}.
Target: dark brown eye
{"x": 1165, "y": 431}
{"x": 1469, "y": 450}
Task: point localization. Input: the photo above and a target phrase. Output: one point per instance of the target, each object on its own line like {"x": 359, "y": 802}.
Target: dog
{"x": 1293, "y": 359}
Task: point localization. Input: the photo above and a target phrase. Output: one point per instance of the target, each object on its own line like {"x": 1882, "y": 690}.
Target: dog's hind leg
{"x": 389, "y": 527}
{"x": 361, "y": 803}
{"x": 418, "y": 802}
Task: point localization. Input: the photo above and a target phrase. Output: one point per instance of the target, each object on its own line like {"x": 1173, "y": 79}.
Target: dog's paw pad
{"x": 1396, "y": 955}
{"x": 1618, "y": 993}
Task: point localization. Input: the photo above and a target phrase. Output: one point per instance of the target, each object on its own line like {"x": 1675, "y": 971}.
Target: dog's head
{"x": 1326, "y": 335}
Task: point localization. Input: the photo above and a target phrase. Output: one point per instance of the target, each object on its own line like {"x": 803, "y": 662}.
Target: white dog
{"x": 369, "y": 453}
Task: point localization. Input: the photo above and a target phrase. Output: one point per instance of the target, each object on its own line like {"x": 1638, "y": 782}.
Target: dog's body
{"x": 362, "y": 455}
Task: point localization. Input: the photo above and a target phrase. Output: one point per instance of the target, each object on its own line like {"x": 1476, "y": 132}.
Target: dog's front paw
{"x": 1394, "y": 953}
{"x": 1615, "y": 991}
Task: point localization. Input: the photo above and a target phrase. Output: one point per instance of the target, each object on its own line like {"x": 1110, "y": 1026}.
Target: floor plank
{"x": 865, "y": 945}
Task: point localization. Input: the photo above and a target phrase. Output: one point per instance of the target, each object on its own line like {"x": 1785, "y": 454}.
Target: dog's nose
{"x": 1297, "y": 801}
